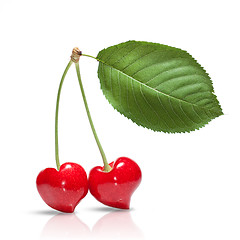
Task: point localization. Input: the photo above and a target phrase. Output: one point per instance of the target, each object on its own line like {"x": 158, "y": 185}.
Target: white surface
{"x": 191, "y": 182}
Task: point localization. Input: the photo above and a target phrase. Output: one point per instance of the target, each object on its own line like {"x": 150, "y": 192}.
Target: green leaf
{"x": 158, "y": 87}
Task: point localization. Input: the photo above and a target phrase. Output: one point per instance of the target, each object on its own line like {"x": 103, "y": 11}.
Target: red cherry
{"x": 63, "y": 189}
{"x": 116, "y": 187}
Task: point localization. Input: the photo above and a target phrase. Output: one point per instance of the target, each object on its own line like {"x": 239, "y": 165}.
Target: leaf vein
{"x": 118, "y": 60}
{"x": 196, "y": 112}
{"x": 186, "y": 75}
{"x": 110, "y": 76}
{"x": 160, "y": 101}
{"x": 119, "y": 86}
{"x": 180, "y": 104}
{"x": 130, "y": 64}
{"x": 152, "y": 106}
{"x": 159, "y": 73}
{"x": 135, "y": 99}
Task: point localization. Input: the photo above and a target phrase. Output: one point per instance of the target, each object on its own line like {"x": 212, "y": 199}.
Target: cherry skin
{"x": 63, "y": 189}
{"x": 116, "y": 187}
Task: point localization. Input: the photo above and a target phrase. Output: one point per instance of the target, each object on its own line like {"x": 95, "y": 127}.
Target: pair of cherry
{"x": 63, "y": 189}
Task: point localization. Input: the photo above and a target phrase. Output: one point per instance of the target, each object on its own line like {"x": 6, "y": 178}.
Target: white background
{"x": 191, "y": 182}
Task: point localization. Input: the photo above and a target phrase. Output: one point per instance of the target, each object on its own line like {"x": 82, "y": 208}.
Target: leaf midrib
{"x": 157, "y": 91}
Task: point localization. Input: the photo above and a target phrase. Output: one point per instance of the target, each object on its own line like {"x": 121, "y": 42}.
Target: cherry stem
{"x": 107, "y": 167}
{"x": 56, "y": 114}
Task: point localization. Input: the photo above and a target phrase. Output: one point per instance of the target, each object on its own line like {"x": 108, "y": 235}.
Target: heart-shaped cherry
{"x": 63, "y": 189}
{"x": 115, "y": 188}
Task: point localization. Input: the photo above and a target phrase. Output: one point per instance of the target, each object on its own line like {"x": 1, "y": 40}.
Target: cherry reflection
{"x": 116, "y": 225}
{"x": 65, "y": 226}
